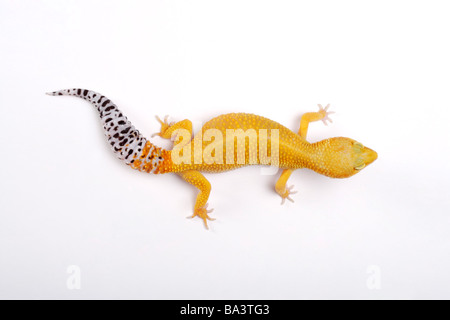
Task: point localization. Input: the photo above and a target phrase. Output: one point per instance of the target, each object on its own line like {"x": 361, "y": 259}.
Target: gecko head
{"x": 343, "y": 157}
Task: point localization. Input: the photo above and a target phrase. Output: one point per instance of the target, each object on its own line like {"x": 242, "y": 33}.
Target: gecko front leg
{"x": 281, "y": 186}
{"x": 323, "y": 114}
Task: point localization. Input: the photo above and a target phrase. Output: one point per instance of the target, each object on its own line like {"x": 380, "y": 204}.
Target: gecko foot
{"x": 325, "y": 113}
{"x": 203, "y": 214}
{"x": 286, "y": 194}
{"x": 165, "y": 125}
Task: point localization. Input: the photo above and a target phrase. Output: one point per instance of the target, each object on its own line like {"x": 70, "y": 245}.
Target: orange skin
{"x": 335, "y": 157}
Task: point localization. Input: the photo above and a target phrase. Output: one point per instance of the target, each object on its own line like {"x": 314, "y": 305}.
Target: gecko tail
{"x": 125, "y": 140}
{"x": 81, "y": 93}
{"x": 54, "y": 93}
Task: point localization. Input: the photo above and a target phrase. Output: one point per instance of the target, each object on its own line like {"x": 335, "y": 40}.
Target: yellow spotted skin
{"x": 335, "y": 157}
{"x": 227, "y": 142}
{"x": 293, "y": 150}
{"x": 331, "y": 157}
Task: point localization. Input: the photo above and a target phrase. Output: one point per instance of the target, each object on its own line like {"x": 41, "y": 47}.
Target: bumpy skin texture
{"x": 335, "y": 157}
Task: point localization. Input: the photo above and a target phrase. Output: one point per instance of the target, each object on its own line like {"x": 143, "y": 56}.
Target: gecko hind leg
{"x": 171, "y": 130}
{"x": 196, "y": 179}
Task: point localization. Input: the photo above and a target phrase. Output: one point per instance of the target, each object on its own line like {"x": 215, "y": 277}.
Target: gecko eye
{"x": 360, "y": 167}
{"x": 359, "y": 164}
{"x": 358, "y": 147}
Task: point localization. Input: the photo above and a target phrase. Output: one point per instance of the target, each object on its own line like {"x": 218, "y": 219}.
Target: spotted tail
{"x": 126, "y": 142}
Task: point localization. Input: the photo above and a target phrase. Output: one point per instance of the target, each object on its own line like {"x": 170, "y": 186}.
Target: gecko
{"x": 337, "y": 157}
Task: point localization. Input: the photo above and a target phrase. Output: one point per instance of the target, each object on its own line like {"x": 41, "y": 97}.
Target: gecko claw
{"x": 325, "y": 113}
{"x": 286, "y": 195}
{"x": 165, "y": 125}
{"x": 203, "y": 214}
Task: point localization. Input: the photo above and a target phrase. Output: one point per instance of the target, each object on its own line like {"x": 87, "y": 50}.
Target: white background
{"x": 66, "y": 200}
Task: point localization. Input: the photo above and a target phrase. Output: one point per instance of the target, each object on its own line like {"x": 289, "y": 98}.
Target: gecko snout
{"x": 365, "y": 156}
{"x": 369, "y": 156}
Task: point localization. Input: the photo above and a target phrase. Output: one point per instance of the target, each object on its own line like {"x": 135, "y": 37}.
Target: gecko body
{"x": 227, "y": 142}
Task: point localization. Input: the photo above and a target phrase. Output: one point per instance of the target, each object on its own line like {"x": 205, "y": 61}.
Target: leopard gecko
{"x": 227, "y": 142}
